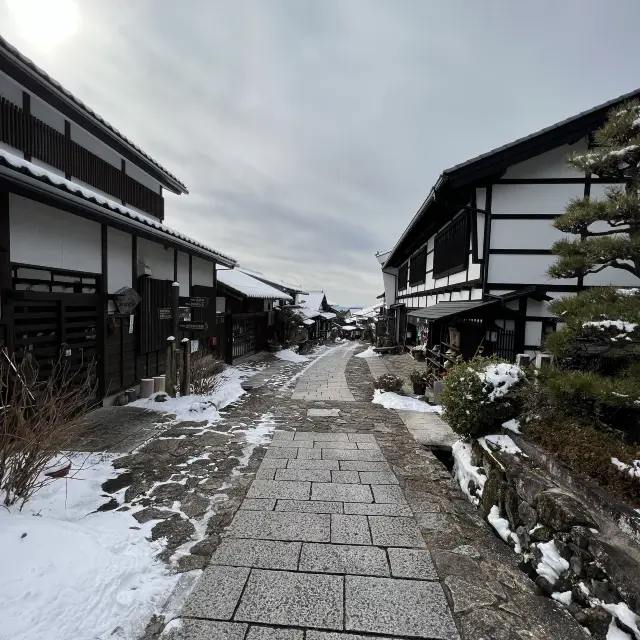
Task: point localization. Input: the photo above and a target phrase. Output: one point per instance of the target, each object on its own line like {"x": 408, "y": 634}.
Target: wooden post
{"x": 169, "y": 367}
{"x": 186, "y": 367}
{"x": 6, "y": 285}
{"x": 173, "y": 359}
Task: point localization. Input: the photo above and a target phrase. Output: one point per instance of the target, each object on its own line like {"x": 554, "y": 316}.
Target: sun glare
{"x": 45, "y": 23}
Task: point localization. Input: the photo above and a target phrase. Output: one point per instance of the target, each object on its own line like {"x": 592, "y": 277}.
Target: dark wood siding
{"x": 451, "y": 248}
{"x": 154, "y": 332}
{"x": 418, "y": 268}
{"x": 403, "y": 274}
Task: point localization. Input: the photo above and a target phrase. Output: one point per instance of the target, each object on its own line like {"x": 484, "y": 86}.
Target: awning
{"x": 327, "y": 315}
{"x": 448, "y": 309}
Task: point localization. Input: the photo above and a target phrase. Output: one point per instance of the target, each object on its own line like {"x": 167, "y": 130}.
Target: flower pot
{"x": 419, "y": 388}
{"x": 419, "y": 356}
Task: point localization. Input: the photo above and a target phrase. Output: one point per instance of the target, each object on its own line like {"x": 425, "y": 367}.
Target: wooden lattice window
{"x": 451, "y": 248}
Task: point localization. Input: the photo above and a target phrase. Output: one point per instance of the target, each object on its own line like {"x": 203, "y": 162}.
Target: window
{"x": 403, "y": 273}
{"x": 418, "y": 269}
{"x": 451, "y": 248}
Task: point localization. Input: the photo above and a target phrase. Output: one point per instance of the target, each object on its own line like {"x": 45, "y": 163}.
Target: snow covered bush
{"x": 206, "y": 373}
{"x": 480, "y": 395}
{"x": 39, "y": 419}
{"x": 389, "y": 382}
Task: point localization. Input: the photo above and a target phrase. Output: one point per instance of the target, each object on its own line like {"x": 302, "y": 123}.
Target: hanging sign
{"x": 198, "y": 303}
{"x": 193, "y": 326}
{"x": 184, "y": 313}
{"x": 164, "y": 313}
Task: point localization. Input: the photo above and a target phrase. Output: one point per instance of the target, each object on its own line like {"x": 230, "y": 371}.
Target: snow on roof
{"x": 328, "y": 315}
{"x": 309, "y": 313}
{"x": 313, "y": 301}
{"x": 308, "y": 321}
{"x": 274, "y": 281}
{"x": 349, "y": 328}
{"x": 367, "y": 311}
{"x": 248, "y": 286}
{"x": 13, "y": 162}
{"x": 68, "y": 96}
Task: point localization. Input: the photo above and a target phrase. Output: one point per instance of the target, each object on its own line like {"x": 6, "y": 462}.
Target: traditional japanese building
{"x": 471, "y": 267}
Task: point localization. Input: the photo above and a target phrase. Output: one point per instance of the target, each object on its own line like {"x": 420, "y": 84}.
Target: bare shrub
{"x": 39, "y": 419}
{"x": 389, "y": 382}
{"x": 206, "y": 374}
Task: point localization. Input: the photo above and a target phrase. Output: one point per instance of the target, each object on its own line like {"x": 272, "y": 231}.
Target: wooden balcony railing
{"x": 38, "y": 140}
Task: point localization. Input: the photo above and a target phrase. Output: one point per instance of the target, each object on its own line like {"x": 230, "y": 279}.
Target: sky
{"x": 310, "y": 131}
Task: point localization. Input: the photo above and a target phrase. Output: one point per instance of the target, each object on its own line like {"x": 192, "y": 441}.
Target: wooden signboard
{"x": 184, "y": 313}
{"x": 164, "y": 313}
{"x": 193, "y": 326}
{"x": 198, "y": 303}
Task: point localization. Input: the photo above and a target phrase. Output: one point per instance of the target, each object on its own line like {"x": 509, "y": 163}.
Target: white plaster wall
{"x": 118, "y": 260}
{"x": 48, "y": 237}
{"x": 183, "y": 273}
{"x": 475, "y": 271}
{"x": 476, "y": 294}
{"x": 523, "y": 269}
{"x": 431, "y": 300}
{"x": 202, "y": 272}
{"x": 157, "y": 258}
{"x": 533, "y": 333}
{"x": 141, "y": 176}
{"x": 47, "y": 114}
{"x": 85, "y": 139}
{"x": 430, "y": 242}
{"x": 533, "y": 198}
{"x": 480, "y": 218}
{"x": 523, "y": 234}
{"x": 389, "y": 281}
{"x": 538, "y": 308}
{"x": 10, "y": 89}
{"x": 430, "y": 261}
{"x": 548, "y": 165}
{"x": 458, "y": 278}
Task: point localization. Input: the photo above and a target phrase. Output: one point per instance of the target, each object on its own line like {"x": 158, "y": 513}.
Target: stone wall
{"x": 573, "y": 551}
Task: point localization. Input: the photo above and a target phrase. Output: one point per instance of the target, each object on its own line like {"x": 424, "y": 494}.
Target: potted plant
{"x": 418, "y": 353}
{"x": 272, "y": 345}
{"x": 419, "y": 380}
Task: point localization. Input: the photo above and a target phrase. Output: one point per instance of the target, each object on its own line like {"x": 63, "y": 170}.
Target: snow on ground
{"x": 464, "y": 471}
{"x": 502, "y": 527}
{"x": 512, "y": 425}
{"x": 622, "y": 612}
{"x": 391, "y": 400}
{"x": 552, "y": 564}
{"x": 562, "y": 596}
{"x": 290, "y": 356}
{"x": 368, "y": 353}
{"x": 70, "y": 573}
{"x": 200, "y": 408}
{"x": 615, "y": 633}
{"x": 501, "y": 442}
{"x": 631, "y": 469}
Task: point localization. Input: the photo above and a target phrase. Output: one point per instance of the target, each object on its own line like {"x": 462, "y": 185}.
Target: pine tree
{"x": 609, "y": 228}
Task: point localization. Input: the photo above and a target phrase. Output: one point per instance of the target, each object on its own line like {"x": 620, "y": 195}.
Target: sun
{"x": 45, "y": 23}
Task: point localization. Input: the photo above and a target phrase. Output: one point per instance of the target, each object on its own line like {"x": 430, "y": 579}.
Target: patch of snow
{"x": 391, "y": 400}
{"x": 620, "y": 325}
{"x": 615, "y": 633}
{"x": 552, "y": 564}
{"x": 290, "y": 356}
{"x": 622, "y": 612}
{"x": 628, "y": 292}
{"x": 464, "y": 471}
{"x": 512, "y": 425}
{"x": 68, "y": 572}
{"x": 500, "y": 441}
{"x": 502, "y": 527}
{"x": 500, "y": 378}
{"x": 368, "y": 353}
{"x": 562, "y": 596}
{"x": 632, "y": 470}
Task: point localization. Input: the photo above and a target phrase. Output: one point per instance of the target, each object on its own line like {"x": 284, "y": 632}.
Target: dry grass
{"x": 39, "y": 419}
{"x": 206, "y": 374}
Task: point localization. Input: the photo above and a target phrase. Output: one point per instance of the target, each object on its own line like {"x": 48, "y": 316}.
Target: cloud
{"x": 309, "y": 132}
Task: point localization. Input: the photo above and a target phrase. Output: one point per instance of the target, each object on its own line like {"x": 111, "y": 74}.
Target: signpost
{"x": 199, "y": 303}
{"x": 193, "y": 326}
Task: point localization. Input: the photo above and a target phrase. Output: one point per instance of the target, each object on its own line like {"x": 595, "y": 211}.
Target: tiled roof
{"x": 249, "y": 286}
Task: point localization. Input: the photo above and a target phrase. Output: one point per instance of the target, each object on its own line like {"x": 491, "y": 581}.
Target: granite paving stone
{"x": 345, "y": 477}
{"x": 272, "y": 633}
{"x": 292, "y": 444}
{"x": 352, "y": 559}
{"x": 310, "y": 506}
{"x": 411, "y": 563}
{"x": 279, "y": 436}
{"x": 352, "y": 454}
{"x": 334, "y": 491}
{"x": 398, "y": 607}
{"x": 323, "y": 413}
{"x": 273, "y": 463}
{"x": 363, "y": 465}
{"x": 281, "y": 452}
{"x": 187, "y": 629}
{"x": 309, "y": 454}
{"x": 378, "y": 509}
{"x": 303, "y": 475}
{"x": 278, "y": 525}
{"x": 263, "y": 554}
{"x": 361, "y": 437}
{"x": 350, "y": 530}
{"x": 378, "y": 477}
{"x": 217, "y": 593}
{"x": 284, "y": 490}
{"x": 321, "y": 437}
{"x": 294, "y": 599}
{"x": 368, "y": 446}
{"x": 265, "y": 474}
{"x": 387, "y": 493}
{"x": 258, "y": 504}
{"x": 334, "y": 445}
{"x": 395, "y": 532}
{"x": 331, "y": 635}
{"x": 313, "y": 464}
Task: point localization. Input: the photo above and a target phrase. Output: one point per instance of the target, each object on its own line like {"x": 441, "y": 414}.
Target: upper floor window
{"x": 403, "y": 274}
{"x": 418, "y": 268}
{"x": 451, "y": 248}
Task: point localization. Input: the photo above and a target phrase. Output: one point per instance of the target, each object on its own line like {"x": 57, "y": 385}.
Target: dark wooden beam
{"x": 6, "y": 309}
{"x": 104, "y": 295}
{"x": 26, "y": 114}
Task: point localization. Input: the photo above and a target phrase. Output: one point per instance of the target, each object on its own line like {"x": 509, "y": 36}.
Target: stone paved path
{"x": 325, "y": 379}
{"x": 324, "y": 542}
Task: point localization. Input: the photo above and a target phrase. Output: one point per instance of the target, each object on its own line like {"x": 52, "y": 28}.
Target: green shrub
{"x": 418, "y": 376}
{"x": 480, "y": 395}
{"x": 389, "y": 382}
